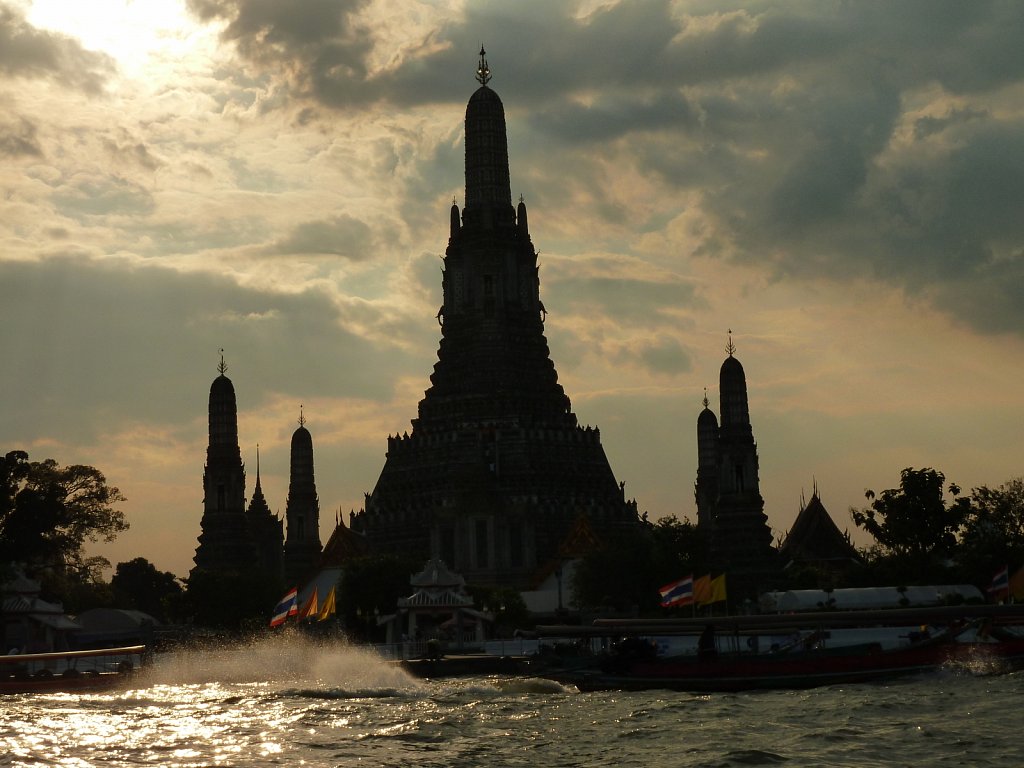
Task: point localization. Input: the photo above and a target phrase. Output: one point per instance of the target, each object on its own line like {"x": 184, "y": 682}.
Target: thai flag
{"x": 288, "y": 606}
{"x": 677, "y": 593}
{"x": 1000, "y": 586}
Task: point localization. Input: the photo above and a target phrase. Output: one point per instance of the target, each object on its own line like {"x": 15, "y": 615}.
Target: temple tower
{"x": 226, "y": 543}
{"x": 496, "y": 469}
{"x": 302, "y": 514}
{"x": 730, "y": 508}
{"x": 267, "y": 529}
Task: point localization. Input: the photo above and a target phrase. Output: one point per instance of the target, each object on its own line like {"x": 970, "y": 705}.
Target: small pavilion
{"x": 438, "y": 602}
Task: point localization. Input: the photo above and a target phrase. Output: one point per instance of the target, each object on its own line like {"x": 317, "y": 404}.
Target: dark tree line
{"x": 928, "y": 531}
{"x": 47, "y": 514}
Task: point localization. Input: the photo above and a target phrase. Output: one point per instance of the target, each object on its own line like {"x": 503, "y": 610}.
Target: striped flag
{"x": 287, "y": 606}
{"x": 677, "y": 593}
{"x": 1000, "y": 586}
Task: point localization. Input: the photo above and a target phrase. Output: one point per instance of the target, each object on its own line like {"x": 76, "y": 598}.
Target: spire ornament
{"x": 302, "y": 417}
{"x": 706, "y": 403}
{"x": 222, "y": 366}
{"x": 730, "y": 347}
{"x": 483, "y": 72}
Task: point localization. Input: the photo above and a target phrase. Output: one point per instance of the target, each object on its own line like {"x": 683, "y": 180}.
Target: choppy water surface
{"x": 288, "y": 702}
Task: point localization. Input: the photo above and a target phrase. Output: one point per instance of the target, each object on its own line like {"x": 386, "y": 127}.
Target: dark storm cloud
{"x": 316, "y": 41}
{"x": 102, "y": 342}
{"x": 32, "y": 53}
{"x": 629, "y": 301}
{"x": 18, "y": 137}
{"x": 660, "y": 354}
{"x": 341, "y": 236}
{"x": 784, "y": 116}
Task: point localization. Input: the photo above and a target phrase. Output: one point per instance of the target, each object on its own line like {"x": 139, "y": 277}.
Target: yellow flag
{"x": 718, "y": 589}
{"x": 1017, "y": 585}
{"x": 328, "y": 609}
{"x": 310, "y": 608}
{"x": 702, "y": 590}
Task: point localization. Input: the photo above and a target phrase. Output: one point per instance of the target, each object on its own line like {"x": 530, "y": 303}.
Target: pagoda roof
{"x": 344, "y": 544}
{"x": 435, "y": 598}
{"x": 435, "y": 574}
{"x": 815, "y": 537}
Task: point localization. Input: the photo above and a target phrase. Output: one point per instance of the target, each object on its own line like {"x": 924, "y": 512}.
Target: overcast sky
{"x": 841, "y": 184}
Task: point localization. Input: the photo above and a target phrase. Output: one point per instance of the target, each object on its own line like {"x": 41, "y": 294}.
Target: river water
{"x": 292, "y": 702}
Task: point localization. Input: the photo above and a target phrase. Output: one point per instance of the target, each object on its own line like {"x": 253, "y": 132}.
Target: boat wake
{"x": 287, "y": 658}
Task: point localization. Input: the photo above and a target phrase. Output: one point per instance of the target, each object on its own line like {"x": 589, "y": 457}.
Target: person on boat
{"x": 707, "y": 649}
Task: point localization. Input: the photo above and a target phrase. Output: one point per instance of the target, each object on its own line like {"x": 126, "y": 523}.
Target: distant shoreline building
{"x": 302, "y": 544}
{"x": 497, "y": 468}
{"x": 730, "y": 509}
{"x": 250, "y": 541}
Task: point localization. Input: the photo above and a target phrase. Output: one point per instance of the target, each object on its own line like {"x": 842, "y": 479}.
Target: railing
{"x": 104, "y": 660}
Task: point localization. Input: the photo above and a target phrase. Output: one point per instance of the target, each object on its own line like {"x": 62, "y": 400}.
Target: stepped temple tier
{"x": 496, "y": 469}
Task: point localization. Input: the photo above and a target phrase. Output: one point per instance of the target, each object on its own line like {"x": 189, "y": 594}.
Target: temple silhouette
{"x": 496, "y": 469}
{"x": 496, "y": 478}
{"x": 730, "y": 509}
{"x": 251, "y": 540}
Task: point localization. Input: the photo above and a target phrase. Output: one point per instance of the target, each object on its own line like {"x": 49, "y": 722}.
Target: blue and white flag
{"x": 288, "y": 606}
{"x": 677, "y": 593}
{"x": 1000, "y": 586}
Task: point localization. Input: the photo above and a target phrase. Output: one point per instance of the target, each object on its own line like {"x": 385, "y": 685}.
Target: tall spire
{"x": 488, "y": 189}
{"x": 483, "y": 72}
{"x": 258, "y": 489}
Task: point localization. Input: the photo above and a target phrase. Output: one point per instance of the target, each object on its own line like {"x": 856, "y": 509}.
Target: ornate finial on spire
{"x": 454, "y": 201}
{"x": 257, "y": 462}
{"x": 483, "y": 72}
{"x": 730, "y": 347}
{"x": 521, "y": 198}
{"x": 302, "y": 417}
{"x": 222, "y": 366}
{"x": 706, "y": 397}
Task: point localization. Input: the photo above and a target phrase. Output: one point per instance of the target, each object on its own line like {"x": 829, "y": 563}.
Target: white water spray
{"x": 288, "y": 658}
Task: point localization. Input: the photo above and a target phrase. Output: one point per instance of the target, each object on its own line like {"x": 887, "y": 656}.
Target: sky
{"x": 840, "y": 184}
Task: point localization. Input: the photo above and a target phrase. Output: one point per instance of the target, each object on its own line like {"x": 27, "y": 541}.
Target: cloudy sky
{"x": 841, "y": 184}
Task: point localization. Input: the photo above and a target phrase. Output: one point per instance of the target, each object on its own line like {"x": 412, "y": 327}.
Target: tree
{"x": 232, "y": 601}
{"x": 371, "y": 585}
{"x": 993, "y": 532}
{"x": 626, "y": 574}
{"x": 912, "y": 523}
{"x": 48, "y": 512}
{"x": 138, "y": 584}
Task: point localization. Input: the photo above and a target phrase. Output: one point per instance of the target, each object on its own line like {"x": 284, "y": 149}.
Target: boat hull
{"x": 69, "y": 670}
{"x": 790, "y": 671}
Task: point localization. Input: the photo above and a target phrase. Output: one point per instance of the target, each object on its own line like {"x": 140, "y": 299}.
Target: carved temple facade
{"x": 496, "y": 469}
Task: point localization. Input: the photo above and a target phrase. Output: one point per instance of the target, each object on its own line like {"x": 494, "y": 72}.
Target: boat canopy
{"x": 865, "y": 598}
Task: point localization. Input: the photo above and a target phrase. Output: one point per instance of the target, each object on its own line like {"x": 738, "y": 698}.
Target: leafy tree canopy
{"x": 625, "y": 574}
{"x": 48, "y": 512}
{"x": 913, "y": 522}
{"x": 993, "y": 532}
